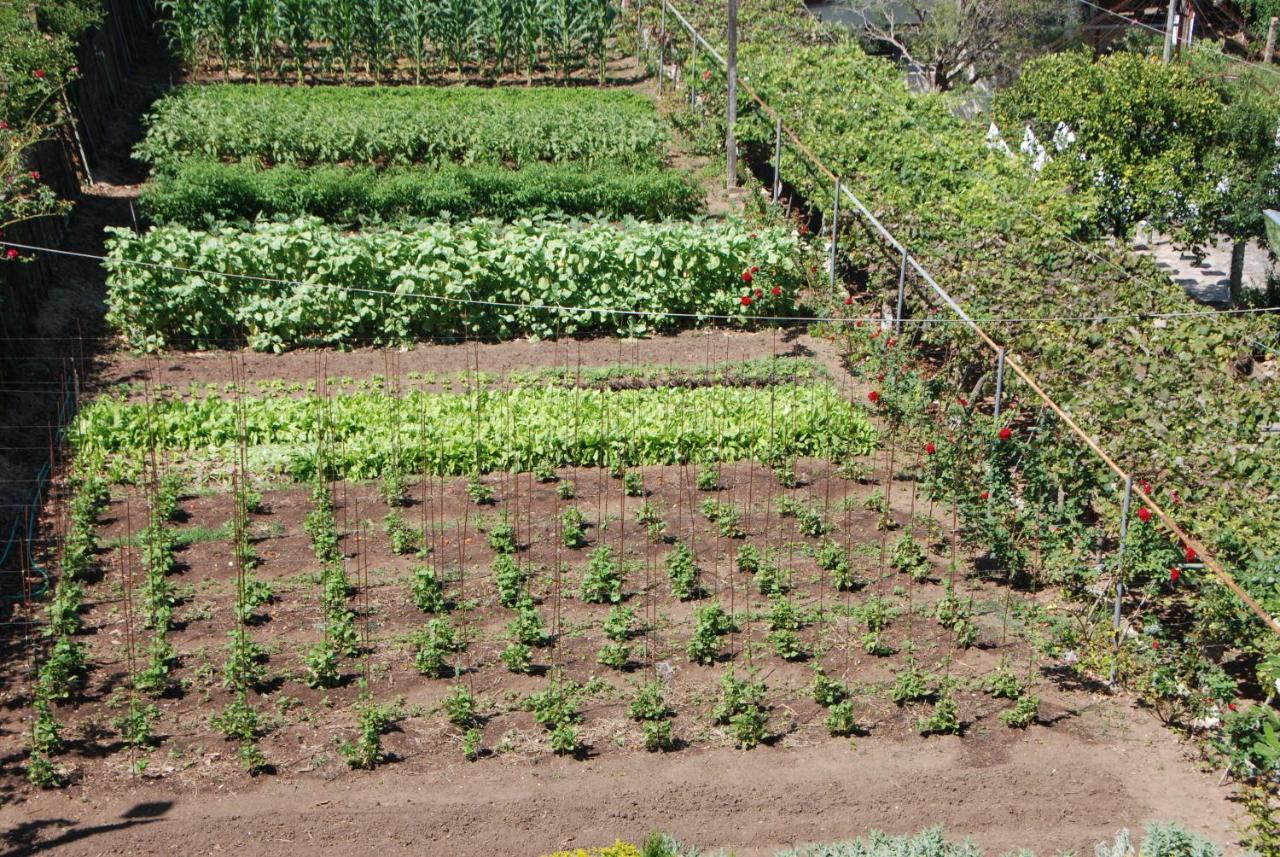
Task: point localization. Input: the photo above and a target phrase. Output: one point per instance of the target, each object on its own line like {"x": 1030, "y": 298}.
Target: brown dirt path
{"x": 1059, "y": 788}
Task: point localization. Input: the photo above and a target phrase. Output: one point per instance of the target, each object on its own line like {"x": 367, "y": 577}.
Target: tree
{"x": 961, "y": 41}
{"x": 1186, "y": 146}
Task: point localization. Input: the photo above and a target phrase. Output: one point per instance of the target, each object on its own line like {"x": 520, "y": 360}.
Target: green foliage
{"x": 602, "y": 582}
{"x": 910, "y": 684}
{"x": 428, "y": 592}
{"x": 749, "y": 559}
{"x": 460, "y": 706}
{"x": 501, "y": 535}
{"x": 509, "y": 578}
{"x": 1171, "y": 173}
{"x": 528, "y": 628}
{"x": 373, "y": 720}
{"x": 136, "y": 723}
{"x": 649, "y": 703}
{"x": 1002, "y": 683}
{"x": 615, "y": 655}
{"x": 386, "y": 39}
{"x": 619, "y": 624}
{"x": 826, "y": 691}
{"x": 404, "y": 538}
{"x": 403, "y": 125}
{"x": 432, "y": 646}
{"x": 472, "y": 740}
{"x": 834, "y": 559}
{"x": 1023, "y": 713}
{"x": 480, "y": 493}
{"x": 908, "y": 556}
{"x": 322, "y": 666}
{"x": 841, "y": 721}
{"x": 518, "y": 658}
{"x": 725, "y": 516}
{"x": 808, "y": 519}
{"x": 304, "y": 282}
{"x": 573, "y": 526}
{"x": 955, "y": 614}
{"x": 682, "y": 570}
{"x": 513, "y": 427}
{"x": 945, "y": 718}
{"x": 556, "y": 705}
{"x": 245, "y": 666}
{"x": 565, "y": 490}
{"x": 658, "y": 736}
{"x": 708, "y": 478}
{"x": 711, "y": 624}
{"x": 633, "y": 483}
{"x": 565, "y": 739}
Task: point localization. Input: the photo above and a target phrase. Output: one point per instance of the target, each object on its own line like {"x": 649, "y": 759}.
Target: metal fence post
{"x": 693, "y": 76}
{"x": 902, "y": 290}
{"x": 777, "y": 160}
{"x": 999, "y": 381}
{"x": 662, "y": 47}
{"x": 1124, "y": 535}
{"x": 835, "y": 232}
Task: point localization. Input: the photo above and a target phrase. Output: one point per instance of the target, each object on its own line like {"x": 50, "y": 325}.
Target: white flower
{"x": 1063, "y": 137}
{"x": 996, "y": 142}
{"x": 1224, "y": 185}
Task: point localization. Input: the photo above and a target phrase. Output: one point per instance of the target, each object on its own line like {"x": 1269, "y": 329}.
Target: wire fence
{"x": 1003, "y": 362}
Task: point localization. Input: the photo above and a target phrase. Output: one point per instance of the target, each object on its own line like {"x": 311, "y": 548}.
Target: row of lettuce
{"x": 1022, "y": 241}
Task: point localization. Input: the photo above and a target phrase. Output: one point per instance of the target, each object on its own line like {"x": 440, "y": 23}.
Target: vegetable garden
{"x": 731, "y": 496}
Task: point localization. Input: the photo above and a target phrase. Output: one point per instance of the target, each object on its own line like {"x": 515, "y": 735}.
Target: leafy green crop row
{"x": 396, "y": 286}
{"x": 419, "y": 125}
{"x": 482, "y": 431}
{"x": 198, "y": 191}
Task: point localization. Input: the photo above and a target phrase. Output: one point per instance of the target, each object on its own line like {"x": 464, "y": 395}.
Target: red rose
{"x": 873, "y": 396}
{"x": 929, "y": 448}
{"x": 986, "y": 495}
{"x": 1231, "y": 706}
{"x": 1191, "y": 555}
{"x": 745, "y": 300}
{"x": 1145, "y": 514}
{"x": 35, "y": 176}
{"x": 1155, "y": 644}
{"x": 776, "y": 290}
{"x": 753, "y": 235}
{"x": 11, "y": 254}
{"x": 1173, "y": 495}
{"x": 962, "y": 402}
{"x": 859, "y": 322}
{"x": 3, "y": 125}
{"x": 1146, "y": 486}
{"x": 804, "y": 229}
{"x": 746, "y": 276}
{"x": 706, "y": 75}
{"x": 848, "y": 301}
{"x": 755, "y": 269}
{"x": 1006, "y": 433}
{"x": 759, "y": 293}
{"x": 1174, "y": 574}
{"x": 39, "y": 72}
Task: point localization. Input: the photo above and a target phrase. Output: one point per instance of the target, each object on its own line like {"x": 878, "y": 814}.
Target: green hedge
{"x": 196, "y": 192}
{"x": 488, "y": 430}
{"x": 413, "y": 283}
{"x": 403, "y": 125}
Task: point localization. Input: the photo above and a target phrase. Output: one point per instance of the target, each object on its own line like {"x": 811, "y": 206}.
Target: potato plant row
{"x": 367, "y": 435}
{"x": 308, "y": 283}
{"x": 419, "y": 125}
{"x": 199, "y": 190}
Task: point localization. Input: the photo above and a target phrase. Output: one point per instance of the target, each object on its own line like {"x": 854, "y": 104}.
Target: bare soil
{"x": 1090, "y": 765}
